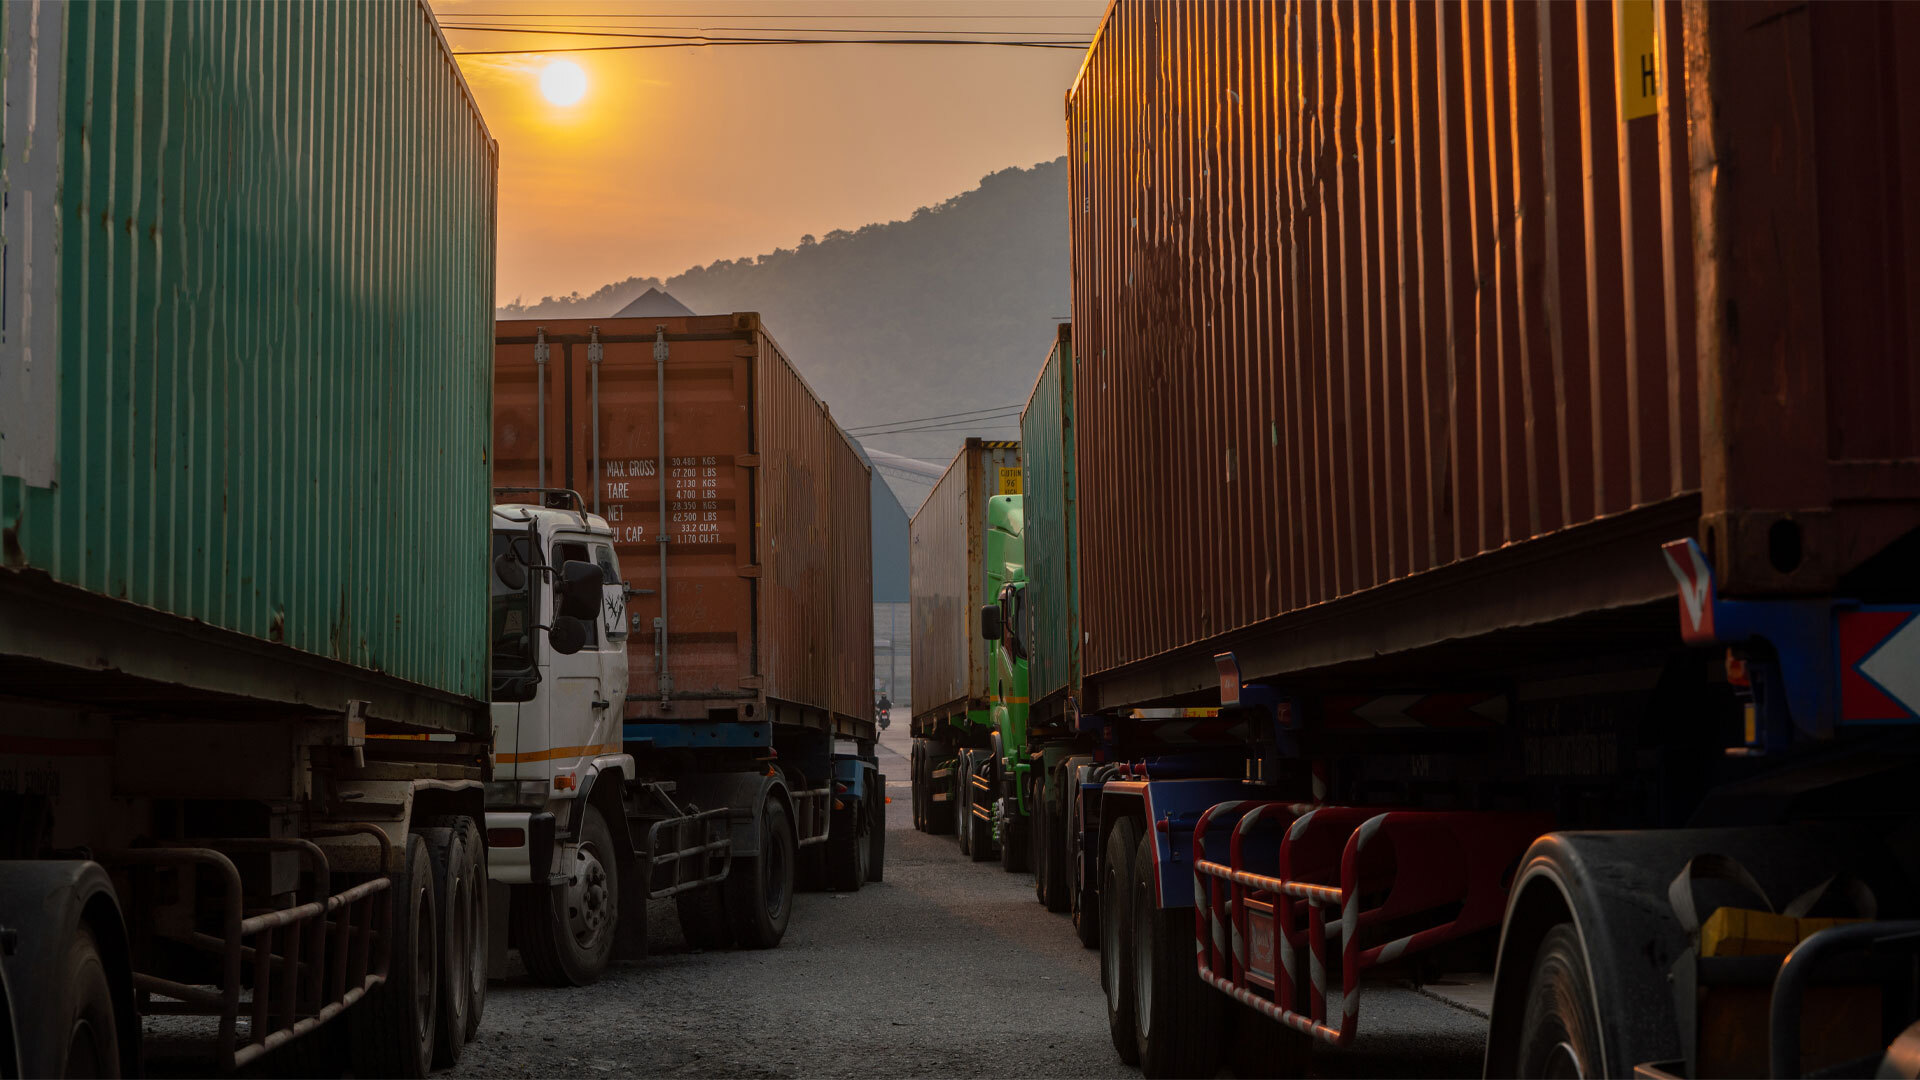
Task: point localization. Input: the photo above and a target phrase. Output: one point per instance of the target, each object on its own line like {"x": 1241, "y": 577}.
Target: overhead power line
{"x": 705, "y": 43}
{"x": 591, "y": 30}
{"x": 939, "y": 416}
{"x": 746, "y": 15}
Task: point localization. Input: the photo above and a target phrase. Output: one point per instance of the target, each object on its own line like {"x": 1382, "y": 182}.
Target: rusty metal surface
{"x": 947, "y": 571}
{"x": 1363, "y": 290}
{"x": 769, "y": 569}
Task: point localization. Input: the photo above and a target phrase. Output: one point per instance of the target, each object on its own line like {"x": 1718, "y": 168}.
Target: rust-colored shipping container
{"x": 1402, "y": 323}
{"x": 766, "y": 572}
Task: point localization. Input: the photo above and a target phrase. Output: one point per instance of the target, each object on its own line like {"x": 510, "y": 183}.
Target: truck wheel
{"x": 477, "y": 898}
{"x": 1055, "y": 865}
{"x": 1557, "y": 1035}
{"x": 877, "y": 859}
{"x": 703, "y": 918}
{"x": 392, "y": 1029}
{"x": 850, "y": 852}
{"x": 940, "y": 811}
{"x": 810, "y": 870}
{"x": 1083, "y": 883}
{"x": 1176, "y": 1017}
{"x": 760, "y": 887}
{"x": 919, "y": 785}
{"x": 1116, "y": 944}
{"x": 93, "y": 1036}
{"x": 963, "y": 800}
{"x": 567, "y": 932}
{"x": 1265, "y": 1047}
{"x": 1013, "y": 836}
{"x": 455, "y": 941}
{"x": 1037, "y": 840}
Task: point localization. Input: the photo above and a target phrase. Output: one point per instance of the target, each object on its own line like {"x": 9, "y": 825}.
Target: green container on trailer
{"x": 1052, "y": 533}
{"x": 246, "y": 368}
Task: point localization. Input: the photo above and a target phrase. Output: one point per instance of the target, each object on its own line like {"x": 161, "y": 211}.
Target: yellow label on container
{"x": 1637, "y": 46}
{"x": 1009, "y": 481}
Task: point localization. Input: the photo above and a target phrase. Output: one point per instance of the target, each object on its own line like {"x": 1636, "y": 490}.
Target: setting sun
{"x": 563, "y": 82}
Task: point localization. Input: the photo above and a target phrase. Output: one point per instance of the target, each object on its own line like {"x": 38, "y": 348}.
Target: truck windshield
{"x": 514, "y": 673}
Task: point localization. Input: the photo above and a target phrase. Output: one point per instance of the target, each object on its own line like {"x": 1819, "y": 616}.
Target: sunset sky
{"x": 677, "y": 157}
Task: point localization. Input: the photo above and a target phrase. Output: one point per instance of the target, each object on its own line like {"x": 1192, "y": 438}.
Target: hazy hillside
{"x": 952, "y": 309}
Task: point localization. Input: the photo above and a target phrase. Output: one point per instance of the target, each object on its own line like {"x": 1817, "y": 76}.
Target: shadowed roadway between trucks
{"x": 948, "y": 968}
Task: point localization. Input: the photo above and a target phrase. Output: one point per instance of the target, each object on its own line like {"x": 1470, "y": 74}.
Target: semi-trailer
{"x": 713, "y": 740}
{"x": 244, "y": 346}
{"x": 950, "y": 580}
{"x": 1506, "y": 416}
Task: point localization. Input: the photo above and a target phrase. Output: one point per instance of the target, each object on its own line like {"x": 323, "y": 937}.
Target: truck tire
{"x": 567, "y": 931}
{"x": 877, "y": 860}
{"x": 850, "y": 851}
{"x": 1013, "y": 836}
{"x": 1052, "y": 864}
{"x": 940, "y": 812}
{"x": 92, "y": 1040}
{"x": 811, "y": 872}
{"x": 703, "y": 918}
{"x": 1268, "y": 1049}
{"x": 1558, "y": 1031}
{"x": 1083, "y": 900}
{"x": 963, "y": 801}
{"x": 454, "y": 941}
{"x": 760, "y": 887}
{"x": 1177, "y": 1019}
{"x": 918, "y": 787}
{"x": 477, "y": 967}
{"x": 1116, "y": 943}
{"x": 1037, "y": 841}
{"x": 391, "y": 1031}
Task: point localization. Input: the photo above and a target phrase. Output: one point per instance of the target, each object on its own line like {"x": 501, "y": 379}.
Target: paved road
{"x": 948, "y": 968}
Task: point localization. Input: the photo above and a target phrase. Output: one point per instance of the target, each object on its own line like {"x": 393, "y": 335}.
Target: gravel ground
{"x": 948, "y": 968}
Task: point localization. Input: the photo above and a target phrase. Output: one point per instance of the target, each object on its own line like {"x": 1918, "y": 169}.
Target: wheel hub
{"x": 589, "y": 902}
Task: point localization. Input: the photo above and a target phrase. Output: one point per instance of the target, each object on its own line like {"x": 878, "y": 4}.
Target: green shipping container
{"x": 246, "y": 367}
{"x": 1052, "y": 533}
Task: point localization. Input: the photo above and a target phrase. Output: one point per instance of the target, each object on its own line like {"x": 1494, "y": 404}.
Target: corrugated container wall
{"x": 1362, "y": 290}
{"x": 769, "y": 570}
{"x": 249, "y": 304}
{"x": 1051, "y": 530}
{"x": 947, "y": 567}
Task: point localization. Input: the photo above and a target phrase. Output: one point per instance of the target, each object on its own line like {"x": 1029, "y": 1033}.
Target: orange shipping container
{"x": 766, "y": 572}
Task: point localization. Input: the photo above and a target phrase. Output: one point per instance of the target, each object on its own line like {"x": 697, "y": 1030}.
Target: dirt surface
{"x": 948, "y": 968}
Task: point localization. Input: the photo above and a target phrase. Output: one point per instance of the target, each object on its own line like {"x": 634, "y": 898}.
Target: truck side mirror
{"x": 568, "y": 635}
{"x": 990, "y": 622}
{"x": 580, "y": 584}
{"x": 509, "y": 571}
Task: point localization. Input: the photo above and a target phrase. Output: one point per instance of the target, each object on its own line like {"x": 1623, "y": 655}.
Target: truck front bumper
{"x": 518, "y": 841}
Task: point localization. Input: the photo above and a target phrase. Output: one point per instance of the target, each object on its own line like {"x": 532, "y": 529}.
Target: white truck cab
{"x": 559, "y": 681}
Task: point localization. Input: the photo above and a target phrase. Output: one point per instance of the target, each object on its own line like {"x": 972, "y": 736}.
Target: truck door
{"x": 582, "y": 708}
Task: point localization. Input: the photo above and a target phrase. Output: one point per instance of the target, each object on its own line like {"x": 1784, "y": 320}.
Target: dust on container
{"x": 948, "y": 582}
{"x": 740, "y": 510}
{"x": 1434, "y": 300}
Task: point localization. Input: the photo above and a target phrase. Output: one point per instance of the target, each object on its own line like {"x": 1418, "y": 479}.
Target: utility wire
{"x": 587, "y": 29}
{"x": 881, "y": 429}
{"x": 741, "y": 15}
{"x": 957, "y": 426}
{"x": 718, "y": 43}
{"x": 939, "y": 416}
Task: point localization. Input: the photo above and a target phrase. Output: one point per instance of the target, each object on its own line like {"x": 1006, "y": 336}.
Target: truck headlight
{"x": 516, "y": 793}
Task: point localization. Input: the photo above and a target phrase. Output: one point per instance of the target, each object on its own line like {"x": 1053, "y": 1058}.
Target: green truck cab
{"x": 1003, "y": 624}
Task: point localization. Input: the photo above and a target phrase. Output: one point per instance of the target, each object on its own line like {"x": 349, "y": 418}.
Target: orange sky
{"x": 678, "y": 157}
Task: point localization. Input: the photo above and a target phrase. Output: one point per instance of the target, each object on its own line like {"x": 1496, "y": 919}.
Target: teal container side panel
{"x": 1046, "y": 439}
{"x": 276, "y": 235}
